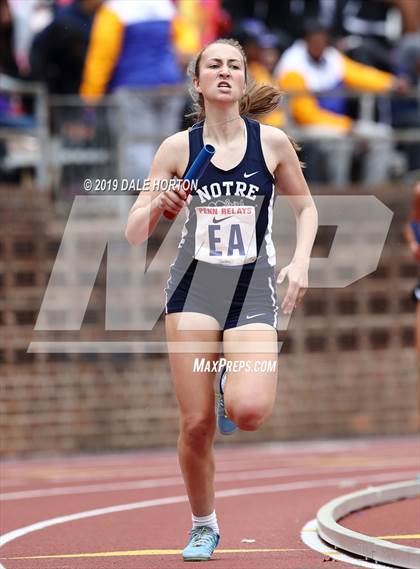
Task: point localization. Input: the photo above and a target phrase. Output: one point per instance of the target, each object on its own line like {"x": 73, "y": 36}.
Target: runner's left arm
{"x": 291, "y": 182}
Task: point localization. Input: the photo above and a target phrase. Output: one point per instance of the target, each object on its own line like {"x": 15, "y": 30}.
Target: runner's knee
{"x": 197, "y": 431}
{"x": 249, "y": 416}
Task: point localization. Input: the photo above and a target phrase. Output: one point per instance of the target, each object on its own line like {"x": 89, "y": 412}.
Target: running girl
{"x": 222, "y": 285}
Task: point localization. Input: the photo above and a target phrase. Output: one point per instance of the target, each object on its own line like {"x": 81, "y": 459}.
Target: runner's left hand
{"x": 297, "y": 274}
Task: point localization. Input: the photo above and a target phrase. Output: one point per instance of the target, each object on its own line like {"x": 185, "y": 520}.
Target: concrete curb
{"x": 367, "y": 546}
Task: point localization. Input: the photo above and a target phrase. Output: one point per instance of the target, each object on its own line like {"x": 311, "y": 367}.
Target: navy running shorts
{"x": 233, "y": 297}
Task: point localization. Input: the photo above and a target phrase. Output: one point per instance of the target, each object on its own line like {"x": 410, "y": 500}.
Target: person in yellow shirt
{"x": 314, "y": 69}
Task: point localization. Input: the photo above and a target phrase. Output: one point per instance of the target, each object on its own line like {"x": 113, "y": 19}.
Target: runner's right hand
{"x": 173, "y": 199}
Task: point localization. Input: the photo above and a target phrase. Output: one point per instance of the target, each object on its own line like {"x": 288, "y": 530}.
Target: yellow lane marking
{"x": 149, "y": 552}
{"x": 143, "y": 552}
{"x": 413, "y": 536}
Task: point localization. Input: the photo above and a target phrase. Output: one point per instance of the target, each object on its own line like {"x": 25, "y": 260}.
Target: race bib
{"x": 225, "y": 235}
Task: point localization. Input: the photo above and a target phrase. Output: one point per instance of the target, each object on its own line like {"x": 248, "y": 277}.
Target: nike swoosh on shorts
{"x": 254, "y": 315}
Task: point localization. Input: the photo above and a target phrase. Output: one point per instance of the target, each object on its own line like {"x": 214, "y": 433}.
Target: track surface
{"x": 398, "y": 522}
{"x": 130, "y": 510}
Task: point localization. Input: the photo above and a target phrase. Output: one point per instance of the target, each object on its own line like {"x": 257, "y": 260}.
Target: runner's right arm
{"x": 152, "y": 201}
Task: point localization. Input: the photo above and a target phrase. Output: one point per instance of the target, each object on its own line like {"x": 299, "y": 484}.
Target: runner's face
{"x": 222, "y": 74}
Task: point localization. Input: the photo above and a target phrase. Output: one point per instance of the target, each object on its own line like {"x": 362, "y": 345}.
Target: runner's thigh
{"x": 194, "y": 389}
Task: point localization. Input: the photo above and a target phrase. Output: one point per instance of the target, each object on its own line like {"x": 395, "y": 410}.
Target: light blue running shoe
{"x": 225, "y": 425}
{"x": 203, "y": 541}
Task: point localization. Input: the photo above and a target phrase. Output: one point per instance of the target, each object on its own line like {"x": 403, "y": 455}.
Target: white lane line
{"x": 310, "y": 537}
{"x": 177, "y": 480}
{"x": 286, "y": 487}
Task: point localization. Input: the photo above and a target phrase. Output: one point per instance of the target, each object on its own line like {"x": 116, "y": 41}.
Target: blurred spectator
{"x": 410, "y": 15}
{"x": 253, "y": 36}
{"x": 283, "y": 18}
{"x": 412, "y": 236}
{"x": 58, "y": 52}
{"x": 196, "y": 24}
{"x": 290, "y": 16}
{"x": 370, "y": 28}
{"x": 13, "y": 117}
{"x": 245, "y": 9}
{"x": 62, "y": 3}
{"x": 271, "y": 49}
{"x": 131, "y": 48}
{"x": 12, "y": 112}
{"x": 313, "y": 68}
{"x": 8, "y": 64}
{"x": 406, "y": 111}
{"x": 30, "y": 17}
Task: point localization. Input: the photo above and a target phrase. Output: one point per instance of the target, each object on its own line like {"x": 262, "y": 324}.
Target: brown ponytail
{"x": 259, "y": 100}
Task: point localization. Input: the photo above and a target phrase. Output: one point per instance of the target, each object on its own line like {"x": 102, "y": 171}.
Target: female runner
{"x": 222, "y": 283}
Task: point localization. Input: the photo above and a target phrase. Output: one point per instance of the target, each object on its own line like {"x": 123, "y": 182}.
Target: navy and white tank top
{"x": 229, "y": 215}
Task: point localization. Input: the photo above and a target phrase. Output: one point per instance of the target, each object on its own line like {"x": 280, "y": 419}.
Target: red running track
{"x": 130, "y": 511}
{"x": 398, "y": 522}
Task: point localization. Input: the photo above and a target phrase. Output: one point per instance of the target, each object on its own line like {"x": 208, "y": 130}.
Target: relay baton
{"x": 196, "y": 170}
